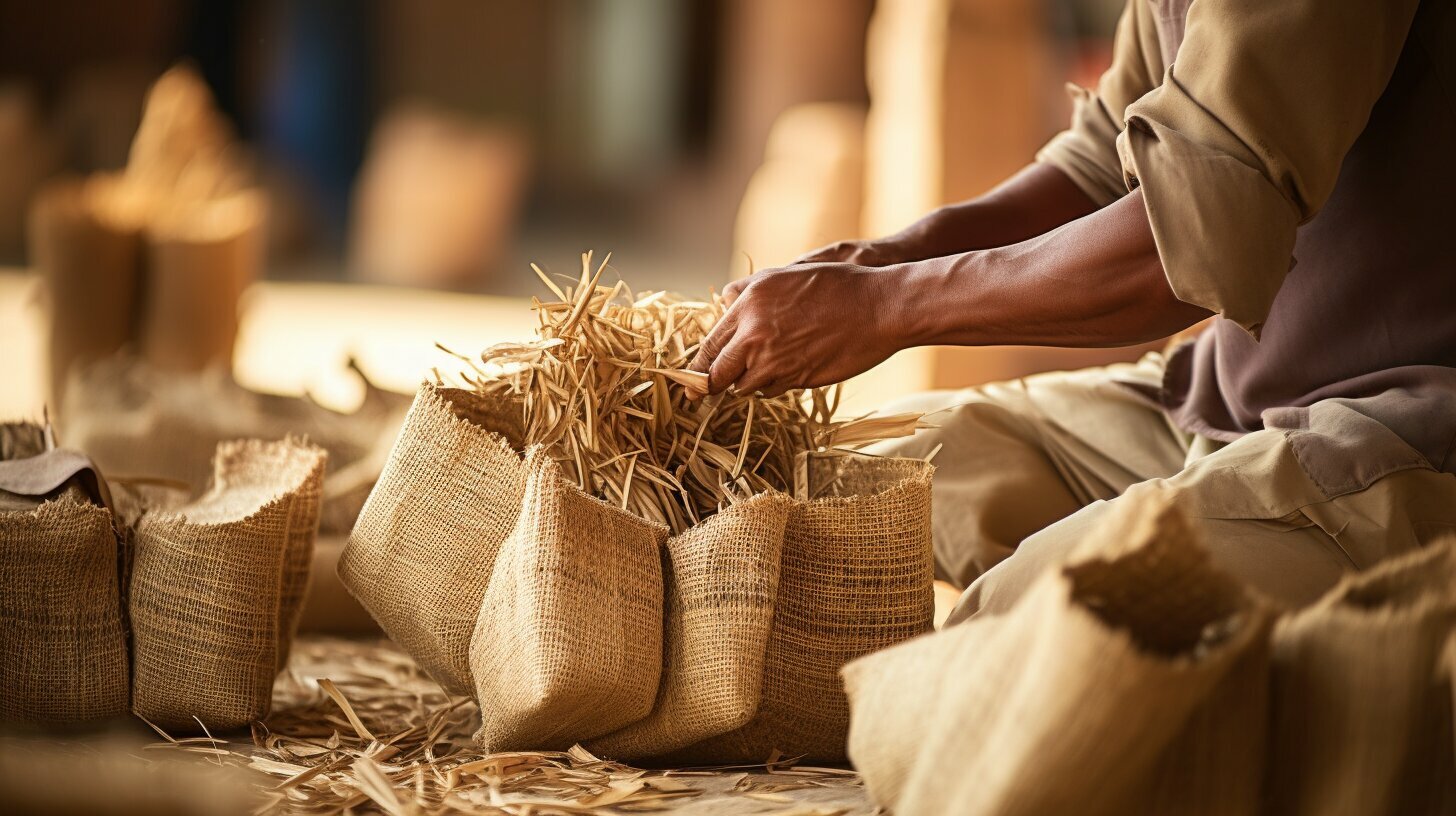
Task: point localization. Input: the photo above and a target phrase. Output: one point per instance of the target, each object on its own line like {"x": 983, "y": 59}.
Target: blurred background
{"x": 404, "y": 149}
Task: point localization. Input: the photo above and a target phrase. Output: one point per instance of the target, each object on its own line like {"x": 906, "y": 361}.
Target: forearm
{"x": 1035, "y": 200}
{"x": 1093, "y": 282}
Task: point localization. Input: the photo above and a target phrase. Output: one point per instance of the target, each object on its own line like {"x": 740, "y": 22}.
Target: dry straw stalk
{"x": 606, "y": 389}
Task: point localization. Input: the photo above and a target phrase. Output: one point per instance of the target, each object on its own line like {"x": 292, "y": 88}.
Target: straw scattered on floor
{"x": 359, "y": 728}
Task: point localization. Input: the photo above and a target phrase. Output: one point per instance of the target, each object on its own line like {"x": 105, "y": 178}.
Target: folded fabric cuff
{"x": 1087, "y": 150}
{"x": 1224, "y": 232}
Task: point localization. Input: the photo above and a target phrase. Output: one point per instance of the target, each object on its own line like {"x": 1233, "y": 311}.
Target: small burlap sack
{"x": 1362, "y": 716}
{"x": 62, "y": 646}
{"x": 1070, "y": 702}
{"x": 425, "y": 543}
{"x": 208, "y": 584}
{"x": 568, "y": 644}
{"x": 855, "y": 577}
{"x": 62, "y": 637}
{"x": 722, "y": 580}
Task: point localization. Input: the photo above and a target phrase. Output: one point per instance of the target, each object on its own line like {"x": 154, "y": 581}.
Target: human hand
{"x": 857, "y": 252}
{"x": 800, "y": 327}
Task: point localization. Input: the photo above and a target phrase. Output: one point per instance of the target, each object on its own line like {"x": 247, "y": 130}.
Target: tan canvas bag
{"x": 568, "y": 643}
{"x": 1362, "y": 715}
{"x": 1068, "y": 703}
{"x": 425, "y": 543}
{"x": 722, "y": 581}
{"x": 62, "y": 640}
{"x": 215, "y": 587}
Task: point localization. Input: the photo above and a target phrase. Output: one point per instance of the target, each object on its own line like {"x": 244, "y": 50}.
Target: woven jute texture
{"x": 422, "y": 551}
{"x": 722, "y": 580}
{"x": 855, "y": 577}
{"x": 207, "y": 585}
{"x": 568, "y": 644}
{"x": 62, "y": 647}
{"x": 1362, "y": 713}
{"x": 1069, "y": 703}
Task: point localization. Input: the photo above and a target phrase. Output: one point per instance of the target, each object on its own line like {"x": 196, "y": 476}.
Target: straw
{"x": 605, "y": 387}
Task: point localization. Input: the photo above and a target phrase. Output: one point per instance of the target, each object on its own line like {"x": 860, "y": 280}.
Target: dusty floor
{"x": 357, "y": 727}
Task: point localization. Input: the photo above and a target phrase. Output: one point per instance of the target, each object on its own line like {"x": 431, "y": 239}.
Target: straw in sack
{"x": 62, "y": 647}
{"x": 722, "y": 579}
{"x": 1362, "y": 720}
{"x": 425, "y": 543}
{"x": 207, "y": 588}
{"x": 1067, "y": 703}
{"x": 855, "y": 578}
{"x": 568, "y": 644}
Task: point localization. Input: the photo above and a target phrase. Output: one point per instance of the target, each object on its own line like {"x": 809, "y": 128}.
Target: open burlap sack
{"x": 207, "y": 605}
{"x": 62, "y": 646}
{"x": 568, "y": 643}
{"x": 425, "y": 543}
{"x": 1362, "y": 716}
{"x": 1070, "y": 702}
{"x": 855, "y": 577}
{"x": 722, "y": 580}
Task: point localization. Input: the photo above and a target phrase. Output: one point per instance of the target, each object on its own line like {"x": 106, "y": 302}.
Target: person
{"x": 1284, "y": 169}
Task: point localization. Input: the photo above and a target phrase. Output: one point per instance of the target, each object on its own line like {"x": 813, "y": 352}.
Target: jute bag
{"x": 86, "y": 246}
{"x": 855, "y": 577}
{"x": 568, "y": 643}
{"x": 1070, "y": 702}
{"x": 1362, "y": 718}
{"x": 425, "y": 543}
{"x": 62, "y": 641}
{"x": 208, "y": 605}
{"x": 722, "y": 579}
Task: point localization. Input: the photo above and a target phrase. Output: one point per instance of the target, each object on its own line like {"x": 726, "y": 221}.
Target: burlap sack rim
{"x": 1405, "y": 604}
{"x": 435, "y": 401}
{"x": 52, "y": 509}
{"x": 433, "y": 393}
{"x": 300, "y": 449}
{"x": 538, "y": 460}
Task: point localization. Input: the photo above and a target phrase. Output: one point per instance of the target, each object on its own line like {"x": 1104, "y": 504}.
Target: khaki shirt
{"x": 1296, "y": 163}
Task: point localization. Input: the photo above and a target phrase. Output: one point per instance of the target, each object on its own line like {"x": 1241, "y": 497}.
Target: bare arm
{"x": 1038, "y": 198}
{"x": 1095, "y": 281}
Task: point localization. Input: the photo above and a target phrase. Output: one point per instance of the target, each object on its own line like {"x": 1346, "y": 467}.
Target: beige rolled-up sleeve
{"x": 1243, "y": 140}
{"x": 1087, "y": 150}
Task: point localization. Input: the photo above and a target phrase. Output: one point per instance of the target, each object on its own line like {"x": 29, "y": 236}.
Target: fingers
{"x": 733, "y": 290}
{"x": 711, "y": 348}
{"x": 729, "y": 365}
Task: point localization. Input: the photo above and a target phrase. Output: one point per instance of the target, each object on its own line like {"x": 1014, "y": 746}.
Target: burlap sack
{"x": 425, "y": 543}
{"x": 1069, "y": 702}
{"x": 722, "y": 580}
{"x": 568, "y": 643}
{"x": 89, "y": 257}
{"x": 1362, "y": 718}
{"x": 62, "y": 647}
{"x": 855, "y": 577}
{"x": 207, "y": 605}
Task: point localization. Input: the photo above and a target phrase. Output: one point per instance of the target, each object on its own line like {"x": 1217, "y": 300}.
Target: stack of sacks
{"x": 572, "y": 620}
{"x": 155, "y": 257}
{"x": 1137, "y": 678}
{"x": 117, "y": 600}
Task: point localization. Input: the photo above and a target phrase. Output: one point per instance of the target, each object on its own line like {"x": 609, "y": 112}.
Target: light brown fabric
{"x": 1074, "y": 701}
{"x": 62, "y": 646}
{"x": 722, "y": 582}
{"x": 90, "y": 262}
{"x": 1362, "y": 718}
{"x": 198, "y": 267}
{"x": 568, "y": 643}
{"x": 1031, "y": 467}
{"x": 426, "y": 541}
{"x": 855, "y": 578}
{"x": 206, "y": 596}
